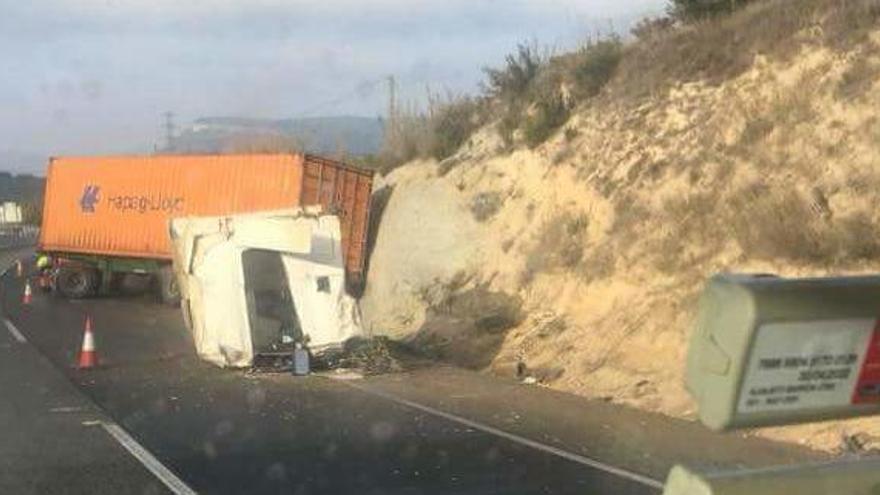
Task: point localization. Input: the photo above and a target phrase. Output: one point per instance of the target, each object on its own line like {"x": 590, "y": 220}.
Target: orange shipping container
{"x": 119, "y": 206}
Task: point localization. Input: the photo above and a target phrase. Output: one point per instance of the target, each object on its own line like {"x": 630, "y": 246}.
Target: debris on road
{"x": 369, "y": 356}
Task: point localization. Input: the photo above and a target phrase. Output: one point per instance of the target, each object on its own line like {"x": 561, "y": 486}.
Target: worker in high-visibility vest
{"x": 44, "y": 268}
{"x": 43, "y": 262}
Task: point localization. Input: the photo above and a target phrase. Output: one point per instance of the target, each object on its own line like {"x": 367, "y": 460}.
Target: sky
{"x": 95, "y": 76}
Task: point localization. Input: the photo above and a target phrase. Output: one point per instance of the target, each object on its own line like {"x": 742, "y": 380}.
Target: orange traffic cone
{"x": 18, "y": 268}
{"x": 28, "y": 293}
{"x": 88, "y": 356}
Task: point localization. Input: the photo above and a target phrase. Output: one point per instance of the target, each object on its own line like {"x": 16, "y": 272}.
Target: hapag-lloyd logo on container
{"x": 129, "y": 203}
{"x": 89, "y": 198}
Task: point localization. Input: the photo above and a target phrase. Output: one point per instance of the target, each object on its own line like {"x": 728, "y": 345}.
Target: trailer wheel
{"x": 77, "y": 281}
{"x": 169, "y": 291}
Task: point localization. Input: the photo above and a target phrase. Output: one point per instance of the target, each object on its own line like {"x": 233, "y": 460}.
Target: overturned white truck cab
{"x": 258, "y": 284}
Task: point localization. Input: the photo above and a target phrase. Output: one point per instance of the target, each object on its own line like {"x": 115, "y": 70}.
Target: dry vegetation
{"x": 559, "y": 245}
{"x": 532, "y": 95}
{"x": 718, "y": 49}
{"x": 527, "y": 100}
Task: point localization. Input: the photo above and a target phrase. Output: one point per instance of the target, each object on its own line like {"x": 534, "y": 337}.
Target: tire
{"x": 77, "y": 281}
{"x": 167, "y": 288}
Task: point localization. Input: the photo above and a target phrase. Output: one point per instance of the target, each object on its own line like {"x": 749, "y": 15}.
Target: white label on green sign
{"x": 804, "y": 365}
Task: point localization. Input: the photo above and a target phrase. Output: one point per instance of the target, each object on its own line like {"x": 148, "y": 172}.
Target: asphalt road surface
{"x": 441, "y": 430}
{"x": 53, "y": 440}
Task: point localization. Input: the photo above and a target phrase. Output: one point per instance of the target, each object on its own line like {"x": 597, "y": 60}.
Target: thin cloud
{"x": 95, "y": 75}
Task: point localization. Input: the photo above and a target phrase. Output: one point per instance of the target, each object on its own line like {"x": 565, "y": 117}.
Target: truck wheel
{"x": 77, "y": 281}
{"x": 169, "y": 291}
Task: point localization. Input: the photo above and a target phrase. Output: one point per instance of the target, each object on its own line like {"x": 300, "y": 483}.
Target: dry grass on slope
{"x": 720, "y": 49}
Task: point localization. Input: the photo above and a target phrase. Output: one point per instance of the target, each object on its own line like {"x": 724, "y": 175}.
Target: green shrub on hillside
{"x": 690, "y": 10}
{"x": 452, "y": 125}
{"x": 528, "y": 92}
{"x": 549, "y": 114}
{"x": 509, "y": 88}
{"x": 595, "y": 64}
{"x": 512, "y": 81}
{"x": 587, "y": 71}
{"x": 509, "y": 124}
{"x": 651, "y": 27}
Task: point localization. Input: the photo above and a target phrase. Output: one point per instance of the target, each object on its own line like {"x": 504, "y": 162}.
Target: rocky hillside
{"x": 578, "y": 262}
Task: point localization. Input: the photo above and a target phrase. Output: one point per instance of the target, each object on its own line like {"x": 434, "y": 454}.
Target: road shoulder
{"x": 53, "y": 439}
{"x": 645, "y": 443}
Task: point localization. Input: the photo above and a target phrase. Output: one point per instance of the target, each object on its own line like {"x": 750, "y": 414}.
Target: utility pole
{"x": 392, "y": 123}
{"x": 392, "y": 98}
{"x": 170, "y": 130}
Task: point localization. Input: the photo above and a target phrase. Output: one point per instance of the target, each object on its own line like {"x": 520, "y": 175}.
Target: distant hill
{"x": 356, "y": 136}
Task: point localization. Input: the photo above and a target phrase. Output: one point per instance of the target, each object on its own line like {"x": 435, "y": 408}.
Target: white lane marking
{"x": 16, "y": 334}
{"x": 586, "y": 461}
{"x": 175, "y": 484}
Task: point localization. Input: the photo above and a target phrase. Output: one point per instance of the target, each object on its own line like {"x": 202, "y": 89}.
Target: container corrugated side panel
{"x": 363, "y": 193}
{"x": 345, "y": 191}
{"x": 138, "y": 195}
